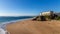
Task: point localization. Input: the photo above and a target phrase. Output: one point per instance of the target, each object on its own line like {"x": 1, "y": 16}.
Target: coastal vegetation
{"x": 58, "y": 18}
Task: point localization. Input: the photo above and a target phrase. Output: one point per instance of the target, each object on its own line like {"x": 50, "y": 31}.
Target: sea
{"x": 4, "y": 20}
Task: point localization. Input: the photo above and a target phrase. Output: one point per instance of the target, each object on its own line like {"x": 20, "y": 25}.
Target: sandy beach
{"x": 34, "y": 27}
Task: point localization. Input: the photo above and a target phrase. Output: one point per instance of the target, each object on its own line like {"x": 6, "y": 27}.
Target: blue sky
{"x": 27, "y": 7}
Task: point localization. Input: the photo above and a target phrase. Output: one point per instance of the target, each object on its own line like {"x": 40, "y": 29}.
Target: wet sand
{"x": 34, "y": 27}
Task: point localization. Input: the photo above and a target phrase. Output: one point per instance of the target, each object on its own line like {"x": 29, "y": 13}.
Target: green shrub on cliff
{"x": 57, "y": 18}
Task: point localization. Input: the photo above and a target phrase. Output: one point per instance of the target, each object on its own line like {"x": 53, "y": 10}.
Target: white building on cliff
{"x": 47, "y": 13}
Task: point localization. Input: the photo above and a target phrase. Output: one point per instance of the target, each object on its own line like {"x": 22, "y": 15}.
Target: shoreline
{"x": 3, "y": 25}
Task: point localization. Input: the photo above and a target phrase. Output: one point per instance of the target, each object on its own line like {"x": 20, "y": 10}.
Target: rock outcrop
{"x": 45, "y": 17}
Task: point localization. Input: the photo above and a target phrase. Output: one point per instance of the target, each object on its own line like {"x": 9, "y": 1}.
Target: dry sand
{"x": 34, "y": 27}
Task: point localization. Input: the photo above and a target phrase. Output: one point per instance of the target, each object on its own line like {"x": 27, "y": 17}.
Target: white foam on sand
{"x": 2, "y": 31}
